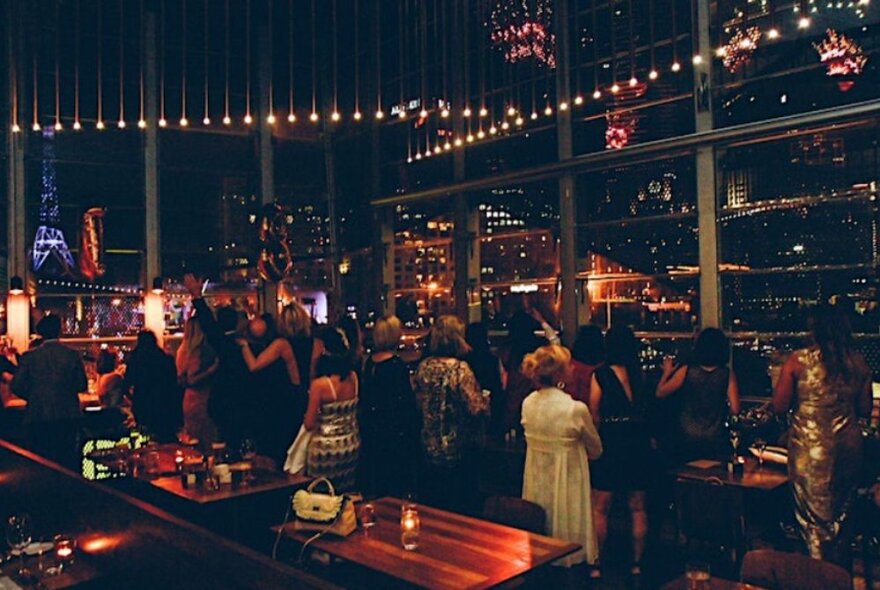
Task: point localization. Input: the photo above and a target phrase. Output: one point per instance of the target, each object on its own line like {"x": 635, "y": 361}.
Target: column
{"x": 152, "y": 220}
{"x": 383, "y": 252}
{"x": 269, "y": 302}
{"x": 567, "y": 204}
{"x": 707, "y": 200}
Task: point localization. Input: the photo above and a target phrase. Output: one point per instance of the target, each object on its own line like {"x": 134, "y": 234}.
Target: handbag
{"x": 297, "y": 454}
{"x": 323, "y": 513}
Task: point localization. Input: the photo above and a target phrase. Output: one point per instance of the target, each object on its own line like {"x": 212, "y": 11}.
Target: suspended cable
{"x": 357, "y": 61}
{"x": 36, "y": 93}
{"x": 653, "y": 73}
{"x": 335, "y": 116}
{"x": 206, "y": 119}
{"x": 58, "y": 125}
{"x": 121, "y": 122}
{"x": 142, "y": 123}
{"x": 380, "y": 113}
{"x": 77, "y": 125}
{"x": 227, "y": 120}
{"x": 675, "y": 65}
{"x": 270, "y": 118}
{"x": 400, "y": 55}
{"x": 248, "y": 117}
{"x": 291, "y": 110}
{"x": 597, "y": 94}
{"x": 313, "y": 117}
{"x": 183, "y": 120}
{"x": 423, "y": 58}
{"x": 632, "y": 44}
{"x": 162, "y": 121}
{"x": 100, "y": 122}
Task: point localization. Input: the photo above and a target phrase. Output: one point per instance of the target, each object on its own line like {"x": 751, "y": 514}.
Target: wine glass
{"x": 368, "y": 515}
{"x": 761, "y": 446}
{"x": 734, "y": 441}
{"x": 19, "y": 536}
{"x": 248, "y": 449}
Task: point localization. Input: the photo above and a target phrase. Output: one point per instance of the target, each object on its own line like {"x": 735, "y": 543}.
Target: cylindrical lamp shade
{"x": 154, "y": 315}
{"x": 18, "y": 320}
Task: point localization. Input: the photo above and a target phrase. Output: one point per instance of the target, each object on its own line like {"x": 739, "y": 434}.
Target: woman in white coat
{"x": 560, "y": 440}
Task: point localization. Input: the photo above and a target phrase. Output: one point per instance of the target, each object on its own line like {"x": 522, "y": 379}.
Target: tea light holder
{"x": 409, "y": 528}
{"x": 65, "y": 549}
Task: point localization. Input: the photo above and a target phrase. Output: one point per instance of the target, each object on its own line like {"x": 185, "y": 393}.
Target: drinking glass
{"x": 19, "y": 536}
{"x": 761, "y": 445}
{"x": 368, "y": 515}
{"x": 65, "y": 548}
{"x": 698, "y": 575}
{"x": 409, "y": 529}
{"x": 734, "y": 442}
{"x": 248, "y": 449}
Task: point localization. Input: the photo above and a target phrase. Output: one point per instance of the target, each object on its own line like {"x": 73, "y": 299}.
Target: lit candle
{"x": 409, "y": 528}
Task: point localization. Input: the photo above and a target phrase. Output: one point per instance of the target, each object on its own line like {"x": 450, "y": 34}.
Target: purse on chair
{"x": 324, "y": 513}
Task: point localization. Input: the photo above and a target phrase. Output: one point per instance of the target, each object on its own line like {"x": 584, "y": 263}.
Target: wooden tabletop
{"x": 455, "y": 552}
{"x": 265, "y": 481}
{"x": 714, "y": 584}
{"x": 766, "y": 478}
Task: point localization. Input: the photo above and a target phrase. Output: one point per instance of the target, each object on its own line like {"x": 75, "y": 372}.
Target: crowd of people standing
{"x": 373, "y": 422}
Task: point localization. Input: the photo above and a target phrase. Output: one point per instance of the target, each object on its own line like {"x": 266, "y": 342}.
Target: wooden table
{"x": 714, "y": 584}
{"x": 766, "y": 478}
{"x": 265, "y": 481}
{"x": 455, "y": 552}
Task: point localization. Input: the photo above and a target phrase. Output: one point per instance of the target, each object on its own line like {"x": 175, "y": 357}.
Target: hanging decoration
{"x": 91, "y": 240}
{"x": 523, "y": 32}
{"x": 739, "y": 48}
{"x": 618, "y": 132}
{"x": 842, "y": 57}
{"x": 276, "y": 260}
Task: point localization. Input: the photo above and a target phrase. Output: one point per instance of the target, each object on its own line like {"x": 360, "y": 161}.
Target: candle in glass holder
{"x": 65, "y": 547}
{"x": 409, "y": 529}
{"x": 178, "y": 460}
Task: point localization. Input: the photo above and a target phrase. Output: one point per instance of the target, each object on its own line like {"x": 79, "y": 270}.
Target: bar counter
{"x": 127, "y": 542}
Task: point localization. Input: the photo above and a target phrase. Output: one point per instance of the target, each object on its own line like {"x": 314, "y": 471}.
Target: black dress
{"x": 703, "y": 412}
{"x": 625, "y": 464}
{"x": 389, "y": 428}
{"x": 303, "y": 347}
{"x": 278, "y": 407}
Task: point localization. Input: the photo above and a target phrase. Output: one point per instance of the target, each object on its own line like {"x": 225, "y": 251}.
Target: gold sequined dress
{"x": 825, "y": 455}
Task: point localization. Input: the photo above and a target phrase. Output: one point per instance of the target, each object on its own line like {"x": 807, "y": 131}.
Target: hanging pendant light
{"x": 184, "y": 122}
{"x": 142, "y": 122}
{"x": 162, "y": 120}
{"x": 270, "y": 117}
{"x": 121, "y": 121}
{"x": 227, "y": 120}
{"x": 248, "y": 117}
{"x": 100, "y": 118}
{"x": 291, "y": 109}
{"x": 206, "y": 119}
{"x": 58, "y": 126}
{"x": 313, "y": 117}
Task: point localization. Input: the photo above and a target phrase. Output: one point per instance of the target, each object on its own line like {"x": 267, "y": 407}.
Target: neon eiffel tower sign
{"x": 49, "y": 239}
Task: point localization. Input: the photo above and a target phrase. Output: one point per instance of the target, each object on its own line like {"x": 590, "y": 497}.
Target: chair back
{"x": 776, "y": 570}
{"x": 710, "y": 520}
{"x": 516, "y": 513}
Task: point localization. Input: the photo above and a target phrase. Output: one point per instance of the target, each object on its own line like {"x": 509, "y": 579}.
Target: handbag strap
{"x": 321, "y": 480}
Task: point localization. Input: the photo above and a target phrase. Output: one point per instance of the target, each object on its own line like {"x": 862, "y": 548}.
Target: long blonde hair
{"x": 194, "y": 344}
{"x": 295, "y": 321}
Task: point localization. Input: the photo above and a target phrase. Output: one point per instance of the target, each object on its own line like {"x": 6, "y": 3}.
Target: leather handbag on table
{"x": 323, "y": 513}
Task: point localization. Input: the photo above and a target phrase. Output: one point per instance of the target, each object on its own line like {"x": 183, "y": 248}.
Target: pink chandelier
{"x": 842, "y": 57}
{"x": 522, "y": 33}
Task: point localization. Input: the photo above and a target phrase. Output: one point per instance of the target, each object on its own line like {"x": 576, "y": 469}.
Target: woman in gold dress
{"x": 829, "y": 386}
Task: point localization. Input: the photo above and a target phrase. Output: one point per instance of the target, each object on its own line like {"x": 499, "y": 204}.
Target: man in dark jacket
{"x": 50, "y": 378}
{"x": 229, "y": 402}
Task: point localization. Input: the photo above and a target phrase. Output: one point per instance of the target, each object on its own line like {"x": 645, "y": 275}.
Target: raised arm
{"x": 672, "y": 378}
{"x": 786, "y": 386}
{"x": 589, "y": 434}
{"x": 733, "y": 394}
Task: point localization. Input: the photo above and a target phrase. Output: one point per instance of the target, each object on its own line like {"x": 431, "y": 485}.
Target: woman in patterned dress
{"x": 829, "y": 386}
{"x": 332, "y": 415}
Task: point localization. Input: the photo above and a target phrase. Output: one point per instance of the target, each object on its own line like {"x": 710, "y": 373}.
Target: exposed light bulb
{"x": 418, "y": 155}
{"x": 578, "y": 100}
{"x": 17, "y": 129}
{"x": 597, "y": 94}
{"x": 184, "y": 122}
{"x": 99, "y": 124}
{"x": 428, "y": 152}
{"x": 438, "y": 150}
{"x": 458, "y": 142}
{"x": 409, "y": 160}
{"x": 481, "y": 134}
{"x": 773, "y": 34}
{"x": 313, "y": 117}
{"x": 466, "y": 112}
{"x": 335, "y": 116}
{"x": 291, "y": 118}
{"x": 721, "y": 51}
{"x": 36, "y": 126}
{"x": 271, "y": 119}
{"x": 676, "y": 67}
{"x": 534, "y": 116}
{"x": 519, "y": 121}
{"x": 357, "y": 116}
{"x": 401, "y": 114}
{"x": 697, "y": 59}
{"x": 548, "y": 111}
{"x": 804, "y": 23}
{"x": 380, "y": 115}
{"x": 59, "y": 126}
{"x": 444, "y": 113}
{"x": 505, "y": 125}
{"x": 206, "y": 121}
{"x": 248, "y": 119}
{"x": 163, "y": 123}
{"x": 652, "y": 75}
{"x": 470, "y": 138}
{"x": 615, "y": 88}
{"x": 633, "y": 82}
{"x": 563, "y": 106}
{"x": 76, "y": 126}
{"x": 484, "y": 112}
{"x": 511, "y": 111}
{"x": 120, "y": 124}
{"x": 493, "y": 130}
{"x": 423, "y": 113}
{"x": 141, "y": 124}
{"x": 447, "y": 146}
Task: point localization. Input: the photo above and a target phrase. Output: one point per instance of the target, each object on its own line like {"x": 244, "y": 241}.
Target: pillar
{"x": 152, "y": 219}
{"x": 571, "y": 288}
{"x": 269, "y": 296}
{"x": 16, "y": 237}
{"x": 705, "y": 162}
